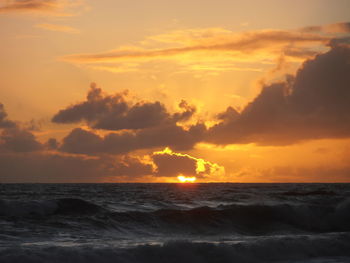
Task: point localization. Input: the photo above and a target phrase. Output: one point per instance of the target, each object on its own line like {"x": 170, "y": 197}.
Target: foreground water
{"x": 174, "y": 223}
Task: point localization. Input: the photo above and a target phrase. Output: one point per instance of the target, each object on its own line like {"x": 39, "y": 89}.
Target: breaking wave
{"x": 242, "y": 219}
{"x": 331, "y": 248}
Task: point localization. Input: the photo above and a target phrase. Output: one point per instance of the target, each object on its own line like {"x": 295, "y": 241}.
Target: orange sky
{"x": 146, "y": 91}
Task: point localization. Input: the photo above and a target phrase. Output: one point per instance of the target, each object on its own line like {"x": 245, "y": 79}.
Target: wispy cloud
{"x": 331, "y": 28}
{"x": 41, "y": 7}
{"x": 244, "y": 44}
{"x": 210, "y": 50}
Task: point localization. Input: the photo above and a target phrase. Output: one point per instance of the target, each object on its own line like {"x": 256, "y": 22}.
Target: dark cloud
{"x": 115, "y": 112}
{"x": 321, "y": 173}
{"x": 13, "y": 137}
{"x": 49, "y": 167}
{"x": 176, "y": 137}
{"x": 52, "y": 144}
{"x": 131, "y": 167}
{"x": 18, "y": 140}
{"x": 169, "y": 164}
{"x": 314, "y": 104}
{"x": 4, "y": 122}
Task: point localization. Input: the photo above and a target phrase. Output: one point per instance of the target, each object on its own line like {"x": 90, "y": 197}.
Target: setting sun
{"x": 184, "y": 179}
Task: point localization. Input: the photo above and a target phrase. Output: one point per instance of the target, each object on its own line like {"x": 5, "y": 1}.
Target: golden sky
{"x": 146, "y": 91}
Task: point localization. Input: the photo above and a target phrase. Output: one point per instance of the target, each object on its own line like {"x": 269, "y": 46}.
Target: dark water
{"x": 174, "y": 223}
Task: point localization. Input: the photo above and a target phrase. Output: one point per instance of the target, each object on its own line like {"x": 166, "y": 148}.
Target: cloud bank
{"x": 313, "y": 104}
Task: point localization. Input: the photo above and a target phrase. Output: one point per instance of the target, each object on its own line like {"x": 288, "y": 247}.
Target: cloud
{"x": 248, "y": 43}
{"x": 322, "y": 173}
{"x": 117, "y": 112}
{"x": 41, "y": 7}
{"x": 4, "y": 122}
{"x": 171, "y": 164}
{"x": 27, "y": 5}
{"x": 214, "y": 50}
{"x": 176, "y": 137}
{"x": 54, "y": 167}
{"x": 13, "y": 138}
{"x": 312, "y": 104}
{"x": 58, "y": 28}
{"x": 84, "y": 156}
{"x": 18, "y": 140}
{"x": 343, "y": 27}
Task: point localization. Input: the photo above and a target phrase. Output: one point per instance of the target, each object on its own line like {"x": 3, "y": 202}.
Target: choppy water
{"x": 174, "y": 223}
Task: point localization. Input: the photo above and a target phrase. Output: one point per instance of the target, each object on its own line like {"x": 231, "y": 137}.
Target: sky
{"x": 169, "y": 91}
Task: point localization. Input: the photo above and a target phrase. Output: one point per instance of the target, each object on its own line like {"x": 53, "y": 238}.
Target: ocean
{"x": 224, "y": 222}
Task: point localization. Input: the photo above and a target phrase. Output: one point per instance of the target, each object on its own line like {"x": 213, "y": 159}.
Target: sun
{"x": 184, "y": 179}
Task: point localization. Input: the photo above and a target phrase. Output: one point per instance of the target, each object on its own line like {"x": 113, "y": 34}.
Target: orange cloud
{"x": 244, "y": 43}
{"x": 40, "y": 7}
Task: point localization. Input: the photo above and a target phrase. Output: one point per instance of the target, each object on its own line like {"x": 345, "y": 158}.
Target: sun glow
{"x": 184, "y": 179}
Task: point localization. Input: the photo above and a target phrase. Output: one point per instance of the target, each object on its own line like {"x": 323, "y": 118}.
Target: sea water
{"x": 179, "y": 223}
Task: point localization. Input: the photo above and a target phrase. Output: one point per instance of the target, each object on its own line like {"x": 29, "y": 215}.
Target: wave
{"x": 243, "y": 219}
{"x": 335, "y": 248}
{"x": 63, "y": 206}
{"x": 309, "y": 193}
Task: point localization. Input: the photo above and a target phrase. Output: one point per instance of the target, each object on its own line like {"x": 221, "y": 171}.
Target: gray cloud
{"x": 49, "y": 167}
{"x": 176, "y": 137}
{"x": 170, "y": 164}
{"x": 13, "y": 137}
{"x": 115, "y": 112}
{"x": 314, "y": 104}
{"x": 173, "y": 165}
{"x": 322, "y": 173}
{"x": 4, "y": 121}
{"x": 18, "y": 140}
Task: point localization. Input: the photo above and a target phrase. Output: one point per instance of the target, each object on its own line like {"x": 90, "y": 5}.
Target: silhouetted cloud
{"x": 84, "y": 156}
{"x": 13, "y": 137}
{"x": 115, "y": 112}
{"x": 4, "y": 121}
{"x": 321, "y": 173}
{"x": 18, "y": 140}
{"x": 170, "y": 164}
{"x": 52, "y": 167}
{"x": 314, "y": 104}
{"x": 52, "y": 144}
{"x": 176, "y": 137}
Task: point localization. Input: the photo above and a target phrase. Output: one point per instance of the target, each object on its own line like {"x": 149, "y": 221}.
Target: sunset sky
{"x": 146, "y": 91}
